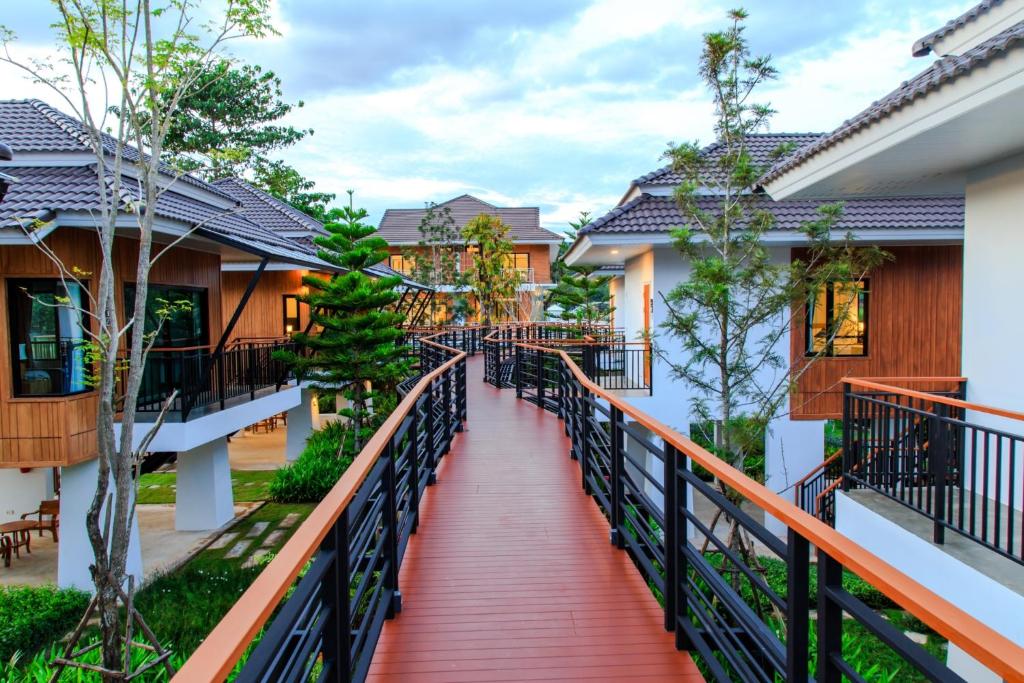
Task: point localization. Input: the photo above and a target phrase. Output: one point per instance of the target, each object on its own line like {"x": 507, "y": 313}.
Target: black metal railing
{"x": 933, "y": 458}
{"x": 716, "y": 595}
{"x": 203, "y": 380}
{"x": 815, "y": 493}
{"x": 331, "y": 622}
{"x": 468, "y": 338}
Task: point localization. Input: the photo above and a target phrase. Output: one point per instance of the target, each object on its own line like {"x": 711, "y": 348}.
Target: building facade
{"x": 535, "y": 249}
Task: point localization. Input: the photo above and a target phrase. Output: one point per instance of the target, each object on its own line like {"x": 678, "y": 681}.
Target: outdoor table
{"x": 19, "y": 535}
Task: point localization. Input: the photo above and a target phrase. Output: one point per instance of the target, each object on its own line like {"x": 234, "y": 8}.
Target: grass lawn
{"x": 247, "y": 486}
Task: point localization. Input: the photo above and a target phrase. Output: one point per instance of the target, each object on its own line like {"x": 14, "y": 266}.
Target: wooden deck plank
{"x": 510, "y": 576}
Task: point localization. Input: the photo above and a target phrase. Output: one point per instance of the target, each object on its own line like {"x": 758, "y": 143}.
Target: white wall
{"x": 20, "y": 492}
{"x": 993, "y": 321}
{"x": 987, "y": 600}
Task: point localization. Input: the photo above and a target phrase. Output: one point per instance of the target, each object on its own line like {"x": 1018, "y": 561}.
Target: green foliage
{"x": 582, "y": 296}
{"x": 748, "y": 434}
{"x": 316, "y": 470}
{"x": 227, "y": 122}
{"x": 287, "y": 184}
{"x": 184, "y": 606}
{"x": 30, "y": 617}
{"x": 436, "y": 262}
{"x": 488, "y": 275}
{"x": 734, "y": 309}
{"x": 356, "y": 351}
{"x": 558, "y": 267}
{"x": 246, "y": 486}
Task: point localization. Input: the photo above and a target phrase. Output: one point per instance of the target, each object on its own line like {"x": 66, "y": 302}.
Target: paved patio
{"x": 162, "y": 548}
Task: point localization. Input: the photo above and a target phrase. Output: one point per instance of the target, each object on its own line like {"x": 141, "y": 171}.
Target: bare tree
{"x": 143, "y": 59}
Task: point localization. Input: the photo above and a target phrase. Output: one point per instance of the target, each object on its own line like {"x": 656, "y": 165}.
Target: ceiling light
{"x": 615, "y": 251}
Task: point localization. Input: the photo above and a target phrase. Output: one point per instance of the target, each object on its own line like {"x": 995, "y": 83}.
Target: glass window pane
{"x": 47, "y": 338}
{"x": 816, "y": 320}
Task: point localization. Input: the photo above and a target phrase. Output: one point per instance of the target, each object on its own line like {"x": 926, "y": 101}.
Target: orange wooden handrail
{"x": 817, "y": 468}
{"x": 925, "y": 396}
{"x": 985, "y": 644}
{"x": 218, "y": 654}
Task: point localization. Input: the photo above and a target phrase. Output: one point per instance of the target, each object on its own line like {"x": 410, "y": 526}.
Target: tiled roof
{"x": 267, "y": 210}
{"x": 924, "y": 45}
{"x": 42, "y": 189}
{"x": 402, "y": 226}
{"x": 34, "y": 126}
{"x": 761, "y": 147}
{"x": 655, "y": 214}
{"x": 940, "y": 73}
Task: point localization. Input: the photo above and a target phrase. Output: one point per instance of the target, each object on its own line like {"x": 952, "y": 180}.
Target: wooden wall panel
{"x": 44, "y": 432}
{"x": 263, "y": 315}
{"x": 914, "y": 326}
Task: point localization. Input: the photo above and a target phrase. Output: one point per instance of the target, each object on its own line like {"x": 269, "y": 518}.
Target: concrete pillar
{"x": 74, "y": 552}
{"x": 792, "y": 449}
{"x": 20, "y": 492}
{"x": 204, "y": 498}
{"x": 302, "y": 420}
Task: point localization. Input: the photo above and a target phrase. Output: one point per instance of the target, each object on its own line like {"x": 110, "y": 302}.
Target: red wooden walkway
{"x": 511, "y": 576}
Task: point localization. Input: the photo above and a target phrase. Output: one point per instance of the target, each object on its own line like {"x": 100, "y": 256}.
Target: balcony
{"x": 469, "y": 542}
{"x": 206, "y": 383}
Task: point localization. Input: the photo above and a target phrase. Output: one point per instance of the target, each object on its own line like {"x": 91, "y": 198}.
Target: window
{"x": 837, "y": 320}
{"x": 517, "y": 261}
{"x": 186, "y": 328}
{"x": 47, "y": 339}
{"x": 401, "y": 264}
{"x": 291, "y": 313}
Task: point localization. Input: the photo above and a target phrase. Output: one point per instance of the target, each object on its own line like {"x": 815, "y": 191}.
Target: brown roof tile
{"x": 401, "y": 226}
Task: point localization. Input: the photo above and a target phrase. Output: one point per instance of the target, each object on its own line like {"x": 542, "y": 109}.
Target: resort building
{"x": 535, "y": 249}
{"x": 237, "y": 258}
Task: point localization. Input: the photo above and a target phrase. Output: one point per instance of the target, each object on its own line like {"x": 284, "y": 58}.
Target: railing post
{"x": 618, "y": 465}
{"x": 682, "y": 570}
{"x": 519, "y": 371}
{"x": 447, "y": 388}
{"x": 798, "y": 605}
{"x": 431, "y": 427}
{"x": 848, "y": 441}
{"x": 938, "y": 463}
{"x": 670, "y": 512}
{"x": 252, "y": 372}
{"x": 337, "y": 644}
{"x": 584, "y": 418}
{"x": 221, "y": 377}
{"x": 391, "y": 525}
{"x": 540, "y": 378}
{"x": 830, "y": 619}
{"x": 414, "y": 466}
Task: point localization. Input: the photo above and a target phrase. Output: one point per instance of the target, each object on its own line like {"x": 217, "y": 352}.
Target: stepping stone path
{"x": 238, "y": 550}
{"x": 271, "y": 540}
{"x": 255, "y": 558}
{"x": 257, "y": 529}
{"x": 223, "y": 541}
{"x": 289, "y": 520}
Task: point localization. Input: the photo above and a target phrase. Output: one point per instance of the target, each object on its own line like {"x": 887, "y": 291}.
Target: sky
{"x": 550, "y": 103}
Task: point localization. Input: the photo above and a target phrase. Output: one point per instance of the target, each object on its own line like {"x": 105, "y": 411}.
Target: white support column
{"x": 74, "y": 552}
{"x": 302, "y": 420}
{"x": 204, "y": 498}
{"x": 792, "y": 449}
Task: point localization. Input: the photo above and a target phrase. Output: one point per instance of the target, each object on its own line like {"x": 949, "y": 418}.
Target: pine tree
{"x": 356, "y": 351}
{"x": 582, "y": 296}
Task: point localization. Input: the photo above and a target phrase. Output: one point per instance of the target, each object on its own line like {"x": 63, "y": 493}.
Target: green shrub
{"x": 184, "y": 606}
{"x": 326, "y": 404}
{"x": 31, "y": 617}
{"x": 317, "y": 469}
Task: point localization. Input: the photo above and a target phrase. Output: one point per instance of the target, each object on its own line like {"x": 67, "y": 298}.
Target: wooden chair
{"x": 6, "y": 551}
{"x": 51, "y": 510}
